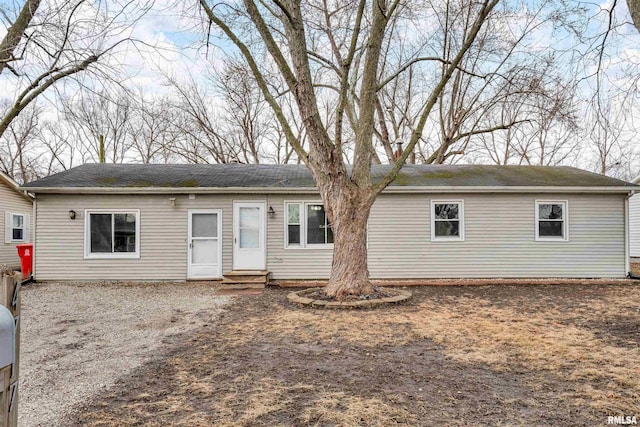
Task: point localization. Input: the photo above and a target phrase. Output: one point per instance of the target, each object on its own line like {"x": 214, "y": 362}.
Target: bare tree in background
{"x": 547, "y": 107}
{"x": 19, "y": 152}
{"x": 488, "y": 95}
{"x": 152, "y": 131}
{"x": 611, "y": 140}
{"x": 226, "y": 119}
{"x": 93, "y": 114}
{"x": 51, "y": 41}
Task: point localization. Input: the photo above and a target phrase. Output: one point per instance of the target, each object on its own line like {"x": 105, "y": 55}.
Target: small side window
{"x": 551, "y": 220}
{"x": 447, "y": 220}
{"x": 17, "y": 227}
{"x": 293, "y": 224}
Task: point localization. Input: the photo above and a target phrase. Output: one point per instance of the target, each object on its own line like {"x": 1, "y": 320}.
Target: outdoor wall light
{"x": 272, "y": 213}
{"x": 172, "y": 201}
{"x": 72, "y": 214}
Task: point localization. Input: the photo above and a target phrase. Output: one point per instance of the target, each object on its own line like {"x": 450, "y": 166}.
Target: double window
{"x": 112, "y": 234}
{"x": 551, "y": 220}
{"x": 307, "y": 225}
{"x": 447, "y": 220}
{"x": 16, "y": 227}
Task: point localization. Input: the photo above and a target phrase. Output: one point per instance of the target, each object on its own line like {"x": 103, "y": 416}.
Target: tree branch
{"x": 16, "y": 31}
{"x": 446, "y": 76}
{"x": 302, "y": 154}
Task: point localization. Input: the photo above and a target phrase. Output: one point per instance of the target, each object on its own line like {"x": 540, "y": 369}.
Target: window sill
{"x": 309, "y": 247}
{"x": 551, "y": 239}
{"x": 446, "y": 240}
{"x": 113, "y": 256}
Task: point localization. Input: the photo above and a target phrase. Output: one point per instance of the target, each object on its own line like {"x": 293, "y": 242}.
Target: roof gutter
{"x": 303, "y": 190}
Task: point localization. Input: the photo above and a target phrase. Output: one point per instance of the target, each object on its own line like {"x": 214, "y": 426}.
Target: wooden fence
{"x": 10, "y": 298}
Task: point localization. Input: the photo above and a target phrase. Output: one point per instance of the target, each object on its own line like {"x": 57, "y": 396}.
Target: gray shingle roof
{"x": 123, "y": 176}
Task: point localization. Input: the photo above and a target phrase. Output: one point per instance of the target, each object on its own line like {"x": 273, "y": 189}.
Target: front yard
{"x": 77, "y": 340}
{"x": 486, "y": 355}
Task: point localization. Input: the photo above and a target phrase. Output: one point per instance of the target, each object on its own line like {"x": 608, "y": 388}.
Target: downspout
{"x": 627, "y": 255}
{"x": 33, "y": 238}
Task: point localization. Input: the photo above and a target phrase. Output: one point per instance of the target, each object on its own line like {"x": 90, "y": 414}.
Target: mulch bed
{"x": 378, "y": 293}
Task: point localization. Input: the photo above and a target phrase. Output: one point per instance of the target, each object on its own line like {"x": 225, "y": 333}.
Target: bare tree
{"x": 351, "y": 70}
{"x": 19, "y": 152}
{"x": 52, "y": 41}
{"x": 93, "y": 114}
{"x": 152, "y": 130}
{"x": 15, "y": 32}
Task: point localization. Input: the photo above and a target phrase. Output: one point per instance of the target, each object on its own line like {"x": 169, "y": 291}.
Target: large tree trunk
{"x": 349, "y": 272}
{"x": 634, "y": 9}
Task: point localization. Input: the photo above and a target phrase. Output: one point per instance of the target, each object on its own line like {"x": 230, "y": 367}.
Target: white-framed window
{"x": 112, "y": 233}
{"x": 552, "y": 222}
{"x": 16, "y": 227}
{"x": 447, "y": 220}
{"x": 307, "y": 225}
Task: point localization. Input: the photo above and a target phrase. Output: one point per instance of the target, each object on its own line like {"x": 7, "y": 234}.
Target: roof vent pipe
{"x": 398, "y": 152}
{"x": 101, "y": 148}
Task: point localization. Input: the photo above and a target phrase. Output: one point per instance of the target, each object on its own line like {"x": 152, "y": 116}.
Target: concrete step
{"x": 241, "y": 286}
{"x": 246, "y": 273}
{"x": 248, "y": 279}
{"x": 245, "y": 279}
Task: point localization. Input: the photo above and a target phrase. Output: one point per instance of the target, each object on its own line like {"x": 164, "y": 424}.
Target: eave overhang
{"x": 307, "y": 190}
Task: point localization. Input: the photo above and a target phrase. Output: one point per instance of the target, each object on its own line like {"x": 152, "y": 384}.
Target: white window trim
{"x": 24, "y": 228}
{"x": 441, "y": 239}
{"x": 565, "y": 221}
{"x": 303, "y": 226}
{"x": 116, "y": 255}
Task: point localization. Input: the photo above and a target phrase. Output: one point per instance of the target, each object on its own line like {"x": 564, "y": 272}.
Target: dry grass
{"x": 338, "y": 408}
{"x": 504, "y": 337}
{"x": 473, "y": 330}
{"x": 567, "y": 346}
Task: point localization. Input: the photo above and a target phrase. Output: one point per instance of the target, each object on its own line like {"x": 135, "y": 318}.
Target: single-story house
{"x": 634, "y": 223}
{"x": 16, "y": 207}
{"x": 188, "y": 222}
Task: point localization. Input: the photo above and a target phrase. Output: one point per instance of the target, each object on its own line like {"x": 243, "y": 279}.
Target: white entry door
{"x": 205, "y": 244}
{"x": 249, "y": 248}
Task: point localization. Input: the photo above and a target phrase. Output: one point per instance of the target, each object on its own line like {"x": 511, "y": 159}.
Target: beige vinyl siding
{"x": 634, "y": 225}
{"x": 499, "y": 238}
{"x": 11, "y": 201}
{"x": 163, "y": 236}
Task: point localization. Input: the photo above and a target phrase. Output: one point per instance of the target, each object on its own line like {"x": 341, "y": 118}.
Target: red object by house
{"x": 25, "y": 252}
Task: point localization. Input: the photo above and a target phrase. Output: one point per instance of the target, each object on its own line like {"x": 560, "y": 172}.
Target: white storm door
{"x": 249, "y": 248}
{"x": 205, "y": 244}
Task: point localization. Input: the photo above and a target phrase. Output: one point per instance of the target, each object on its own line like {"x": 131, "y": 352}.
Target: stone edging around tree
{"x": 298, "y": 297}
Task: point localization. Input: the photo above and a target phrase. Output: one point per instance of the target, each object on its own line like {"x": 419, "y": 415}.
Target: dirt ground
{"x": 78, "y": 339}
{"x": 482, "y": 355}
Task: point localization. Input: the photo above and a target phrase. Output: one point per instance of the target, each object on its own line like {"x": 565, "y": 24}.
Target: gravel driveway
{"x": 77, "y": 339}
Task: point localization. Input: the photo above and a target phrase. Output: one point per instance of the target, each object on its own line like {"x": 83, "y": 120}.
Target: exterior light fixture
{"x": 172, "y": 201}
{"x": 72, "y": 214}
{"x": 272, "y": 213}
